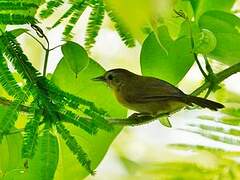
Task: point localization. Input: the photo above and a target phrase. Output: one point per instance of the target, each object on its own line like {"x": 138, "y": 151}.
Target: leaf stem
{"x": 46, "y": 55}
{"x": 45, "y": 62}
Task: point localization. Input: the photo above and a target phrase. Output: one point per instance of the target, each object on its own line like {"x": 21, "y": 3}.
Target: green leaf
{"x": 165, "y": 122}
{"x": 18, "y": 32}
{"x": 49, "y": 154}
{"x": 76, "y": 56}
{"x": 220, "y": 22}
{"x": 225, "y": 27}
{"x": 45, "y": 161}
{"x": 232, "y": 112}
{"x": 10, "y": 161}
{"x": 50, "y": 7}
{"x": 216, "y": 128}
{"x": 201, "y": 6}
{"x": 216, "y": 137}
{"x": 95, "y": 146}
{"x": 171, "y": 67}
{"x": 95, "y": 21}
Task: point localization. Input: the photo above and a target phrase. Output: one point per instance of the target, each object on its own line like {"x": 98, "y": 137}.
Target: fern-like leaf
{"x": 94, "y": 23}
{"x": 82, "y": 122}
{"x": 67, "y": 99}
{"x": 76, "y": 149}
{"x": 99, "y": 120}
{"x": 18, "y": 11}
{"x": 49, "y": 154}
{"x": 16, "y": 5}
{"x": 17, "y": 19}
{"x": 123, "y": 31}
{"x": 31, "y": 132}
{"x": 78, "y": 10}
{"x": 10, "y": 117}
{"x": 198, "y": 148}
{"x": 230, "y": 131}
{"x": 215, "y": 137}
{"x": 14, "y": 53}
{"x": 64, "y": 16}
{"x": 7, "y": 80}
{"x": 50, "y": 7}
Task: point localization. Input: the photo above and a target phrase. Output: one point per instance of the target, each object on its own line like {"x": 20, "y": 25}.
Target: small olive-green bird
{"x": 149, "y": 95}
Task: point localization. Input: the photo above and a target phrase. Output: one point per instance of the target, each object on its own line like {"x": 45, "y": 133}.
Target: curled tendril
{"x": 180, "y": 13}
{"x": 38, "y": 30}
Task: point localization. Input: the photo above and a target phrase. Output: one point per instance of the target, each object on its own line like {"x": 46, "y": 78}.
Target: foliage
{"x": 96, "y": 145}
{"x": 95, "y": 19}
{"x": 49, "y": 105}
{"x": 18, "y": 12}
{"x": 63, "y": 112}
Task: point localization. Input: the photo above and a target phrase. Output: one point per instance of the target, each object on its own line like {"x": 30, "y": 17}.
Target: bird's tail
{"x": 205, "y": 103}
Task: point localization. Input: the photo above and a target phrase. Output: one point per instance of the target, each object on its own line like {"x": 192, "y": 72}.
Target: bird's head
{"x": 115, "y": 77}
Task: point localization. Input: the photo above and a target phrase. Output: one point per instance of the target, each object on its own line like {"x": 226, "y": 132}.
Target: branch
{"x": 219, "y": 78}
{"x": 146, "y": 119}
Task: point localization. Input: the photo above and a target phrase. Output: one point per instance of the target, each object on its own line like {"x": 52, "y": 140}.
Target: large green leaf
{"x": 96, "y": 146}
{"x": 225, "y": 27}
{"x": 201, "y": 6}
{"x": 10, "y": 155}
{"x": 171, "y": 66}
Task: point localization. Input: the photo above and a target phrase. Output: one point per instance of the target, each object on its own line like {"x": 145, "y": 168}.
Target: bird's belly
{"x": 157, "y": 107}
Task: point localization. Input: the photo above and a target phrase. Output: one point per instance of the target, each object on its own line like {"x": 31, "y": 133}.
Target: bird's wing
{"x": 153, "y": 89}
{"x": 155, "y": 86}
{"x": 154, "y": 98}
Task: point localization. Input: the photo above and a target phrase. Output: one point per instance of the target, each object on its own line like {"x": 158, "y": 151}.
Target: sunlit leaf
{"x": 232, "y": 112}
{"x": 215, "y": 137}
{"x": 165, "y": 122}
{"x": 224, "y": 26}
{"x": 95, "y": 146}
{"x": 201, "y": 6}
{"x": 76, "y": 56}
{"x": 231, "y": 131}
{"x": 18, "y": 32}
{"x": 171, "y": 65}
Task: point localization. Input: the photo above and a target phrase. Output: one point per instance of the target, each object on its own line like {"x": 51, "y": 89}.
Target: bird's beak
{"x": 99, "y": 78}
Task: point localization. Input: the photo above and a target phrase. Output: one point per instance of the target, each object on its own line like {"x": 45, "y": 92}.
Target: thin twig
{"x": 46, "y": 55}
{"x": 182, "y": 15}
{"x": 55, "y": 47}
{"x": 41, "y": 34}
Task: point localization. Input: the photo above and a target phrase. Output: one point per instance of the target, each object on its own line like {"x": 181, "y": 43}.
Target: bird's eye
{"x": 110, "y": 77}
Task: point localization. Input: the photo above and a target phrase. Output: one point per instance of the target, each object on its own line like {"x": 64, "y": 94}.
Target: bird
{"x": 150, "y": 96}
